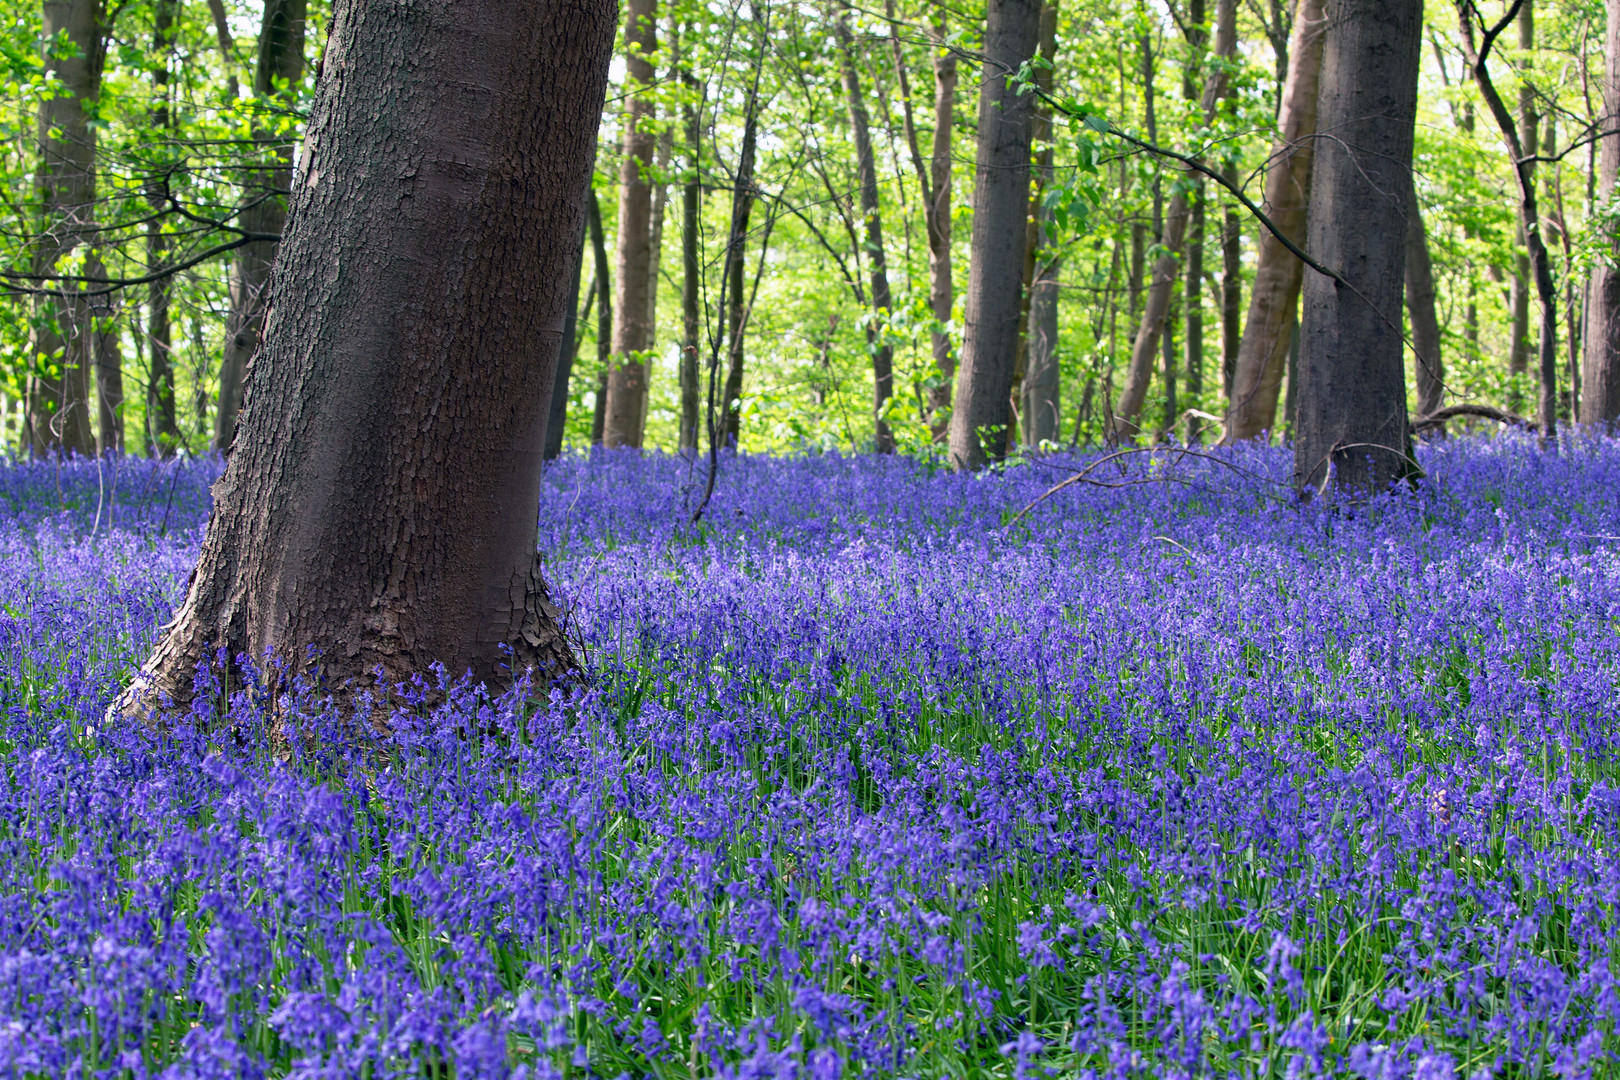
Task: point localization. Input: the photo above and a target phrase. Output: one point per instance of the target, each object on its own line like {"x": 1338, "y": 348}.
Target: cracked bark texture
{"x": 379, "y": 508}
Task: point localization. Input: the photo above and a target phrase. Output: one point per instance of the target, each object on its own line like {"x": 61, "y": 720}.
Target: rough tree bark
{"x": 1128, "y": 410}
{"x": 162, "y": 424}
{"x": 1262, "y": 355}
{"x": 978, "y": 429}
{"x": 1600, "y": 369}
{"x": 1428, "y": 362}
{"x": 57, "y": 416}
{"x": 1351, "y": 403}
{"x": 632, "y": 334}
{"x": 876, "y": 261}
{"x": 379, "y": 509}
{"x": 276, "y": 75}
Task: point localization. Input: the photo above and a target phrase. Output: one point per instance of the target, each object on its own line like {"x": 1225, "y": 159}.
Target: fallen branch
{"x": 1484, "y": 412}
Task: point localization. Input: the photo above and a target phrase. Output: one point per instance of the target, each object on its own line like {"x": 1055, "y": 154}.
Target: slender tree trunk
{"x": 1600, "y": 370}
{"x": 742, "y": 208}
{"x": 632, "y": 335}
{"x": 227, "y": 46}
{"x": 1519, "y": 294}
{"x": 378, "y": 513}
{"x": 1529, "y": 224}
{"x": 279, "y": 70}
{"x": 1351, "y": 402}
{"x": 58, "y": 410}
{"x": 1231, "y": 291}
{"x": 691, "y": 274}
{"x": 163, "y": 425}
{"x": 604, "y": 314}
{"x": 1274, "y": 302}
{"x": 1036, "y": 373}
{"x": 1165, "y": 269}
{"x": 876, "y": 260}
{"x": 1428, "y": 362}
{"x": 978, "y": 430}
{"x": 1193, "y": 293}
{"x": 109, "y": 365}
{"x": 557, "y": 413}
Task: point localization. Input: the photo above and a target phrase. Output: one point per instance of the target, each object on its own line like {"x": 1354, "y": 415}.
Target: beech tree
{"x": 377, "y": 512}
{"x": 1352, "y": 386}
{"x": 1600, "y": 371}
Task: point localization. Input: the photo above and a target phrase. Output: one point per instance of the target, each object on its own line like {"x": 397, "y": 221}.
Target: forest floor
{"x": 1168, "y": 777}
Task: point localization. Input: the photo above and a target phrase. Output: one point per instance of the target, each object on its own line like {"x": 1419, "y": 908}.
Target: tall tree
{"x": 1351, "y": 402}
{"x": 1166, "y": 266}
{"x": 1041, "y": 405}
{"x": 978, "y": 430}
{"x": 604, "y": 314}
{"x": 1478, "y": 58}
{"x": 378, "y": 512}
{"x": 877, "y": 263}
{"x": 58, "y": 409}
{"x": 1429, "y": 365}
{"x": 632, "y": 333}
{"x": 162, "y": 424}
{"x": 557, "y": 413}
{"x": 276, "y": 76}
{"x": 934, "y": 181}
{"x": 1520, "y": 287}
{"x": 732, "y": 276}
{"x": 691, "y": 267}
{"x": 1600, "y": 370}
{"x": 1262, "y": 355}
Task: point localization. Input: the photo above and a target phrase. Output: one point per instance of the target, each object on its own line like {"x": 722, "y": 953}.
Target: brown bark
{"x": 1035, "y": 374}
{"x": 1165, "y": 269}
{"x": 1519, "y": 291}
{"x": 378, "y": 512}
{"x": 1600, "y": 370}
{"x": 978, "y": 429}
{"x": 742, "y": 208}
{"x": 1427, "y": 361}
{"x": 1231, "y": 291}
{"x": 557, "y": 412}
{"x": 1262, "y": 352}
{"x": 632, "y": 333}
{"x": 162, "y": 426}
{"x": 109, "y": 365}
{"x": 876, "y": 260}
{"x": 276, "y": 75}
{"x": 58, "y": 409}
{"x": 1193, "y": 292}
{"x": 1351, "y": 401}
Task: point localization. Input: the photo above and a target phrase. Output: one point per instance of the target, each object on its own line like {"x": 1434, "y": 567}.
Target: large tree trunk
{"x": 162, "y": 425}
{"x": 279, "y": 70}
{"x": 877, "y": 343}
{"x": 1430, "y": 366}
{"x": 378, "y": 512}
{"x": 978, "y": 430}
{"x": 58, "y": 410}
{"x": 1351, "y": 403}
{"x": 1274, "y": 302}
{"x": 1128, "y": 410}
{"x": 632, "y": 334}
{"x": 1600, "y": 371}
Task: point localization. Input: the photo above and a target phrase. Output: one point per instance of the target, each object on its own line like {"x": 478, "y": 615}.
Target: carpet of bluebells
{"x": 1170, "y": 777}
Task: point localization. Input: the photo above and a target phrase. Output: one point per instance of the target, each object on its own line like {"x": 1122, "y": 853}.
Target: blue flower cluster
{"x": 1170, "y": 777}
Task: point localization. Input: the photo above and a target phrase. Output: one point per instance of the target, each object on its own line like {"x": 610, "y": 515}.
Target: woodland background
{"x": 137, "y": 227}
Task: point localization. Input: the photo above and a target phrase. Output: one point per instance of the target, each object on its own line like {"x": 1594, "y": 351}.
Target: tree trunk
{"x": 58, "y": 410}
{"x": 604, "y": 314}
{"x": 1036, "y": 375}
{"x": 162, "y": 423}
{"x": 742, "y": 208}
{"x": 1165, "y": 269}
{"x": 941, "y": 287}
{"x": 877, "y": 343}
{"x": 1519, "y": 293}
{"x": 1351, "y": 402}
{"x": 1231, "y": 291}
{"x": 691, "y": 274}
{"x": 1529, "y": 222}
{"x": 978, "y": 430}
{"x": 557, "y": 412}
{"x": 1430, "y": 366}
{"x": 1274, "y": 302}
{"x": 1193, "y": 293}
{"x": 276, "y": 75}
{"x": 632, "y": 334}
{"x": 1600, "y": 371}
{"x": 378, "y": 513}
